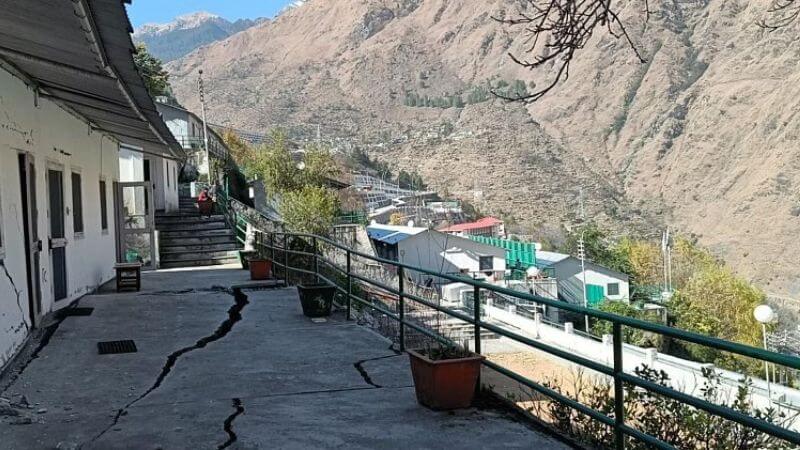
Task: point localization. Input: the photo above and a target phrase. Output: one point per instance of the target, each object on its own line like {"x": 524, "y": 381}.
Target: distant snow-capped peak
{"x": 184, "y": 22}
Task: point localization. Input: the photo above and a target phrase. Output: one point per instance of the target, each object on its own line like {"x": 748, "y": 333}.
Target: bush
{"x": 668, "y": 420}
{"x": 311, "y": 210}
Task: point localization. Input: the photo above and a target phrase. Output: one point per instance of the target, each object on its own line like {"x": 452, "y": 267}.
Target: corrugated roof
{"x": 482, "y": 223}
{"x": 547, "y": 259}
{"x": 79, "y": 53}
{"x": 390, "y": 234}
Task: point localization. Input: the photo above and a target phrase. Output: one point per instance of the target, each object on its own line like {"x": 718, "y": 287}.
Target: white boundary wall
{"x": 684, "y": 375}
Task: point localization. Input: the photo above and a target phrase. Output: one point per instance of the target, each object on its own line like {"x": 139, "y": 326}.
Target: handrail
{"x": 269, "y": 241}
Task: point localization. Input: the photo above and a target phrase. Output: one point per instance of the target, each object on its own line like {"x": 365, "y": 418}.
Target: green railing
{"x": 278, "y": 246}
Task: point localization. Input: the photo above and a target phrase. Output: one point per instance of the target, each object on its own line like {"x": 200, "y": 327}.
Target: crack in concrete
{"x": 234, "y": 316}
{"x": 365, "y": 375}
{"x": 47, "y": 335}
{"x": 228, "y": 424}
{"x": 18, "y": 292}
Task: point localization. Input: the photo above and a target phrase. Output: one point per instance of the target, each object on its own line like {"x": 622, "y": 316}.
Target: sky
{"x": 163, "y": 11}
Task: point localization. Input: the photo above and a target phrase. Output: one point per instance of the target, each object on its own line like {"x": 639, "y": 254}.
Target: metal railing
{"x": 277, "y": 246}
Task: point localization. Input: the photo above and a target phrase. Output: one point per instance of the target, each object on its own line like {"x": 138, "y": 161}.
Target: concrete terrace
{"x": 214, "y": 370}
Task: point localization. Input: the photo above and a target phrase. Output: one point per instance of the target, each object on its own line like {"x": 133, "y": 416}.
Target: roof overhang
{"x": 79, "y": 54}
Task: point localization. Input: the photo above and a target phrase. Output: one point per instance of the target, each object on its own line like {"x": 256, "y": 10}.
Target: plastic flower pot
{"x": 316, "y": 299}
{"x": 260, "y": 269}
{"x": 445, "y": 384}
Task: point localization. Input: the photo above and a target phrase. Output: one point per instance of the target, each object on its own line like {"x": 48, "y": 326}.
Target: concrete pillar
{"x": 537, "y": 320}
{"x": 569, "y": 328}
{"x": 250, "y": 239}
{"x": 650, "y": 356}
{"x": 512, "y": 309}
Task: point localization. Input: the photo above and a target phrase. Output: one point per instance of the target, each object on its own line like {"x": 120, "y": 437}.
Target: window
{"x": 486, "y": 263}
{"x": 103, "y": 207}
{"x": 77, "y": 203}
{"x": 612, "y": 289}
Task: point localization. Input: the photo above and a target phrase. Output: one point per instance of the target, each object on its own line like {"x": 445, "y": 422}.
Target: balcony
{"x": 224, "y": 363}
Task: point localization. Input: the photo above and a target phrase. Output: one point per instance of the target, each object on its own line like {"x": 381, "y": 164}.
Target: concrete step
{"x": 197, "y": 240}
{"x": 198, "y": 248}
{"x": 196, "y": 227}
{"x": 173, "y": 233}
{"x": 166, "y": 219}
{"x": 193, "y": 256}
{"x": 198, "y": 262}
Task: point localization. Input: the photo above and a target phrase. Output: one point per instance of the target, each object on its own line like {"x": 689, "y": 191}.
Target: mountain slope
{"x": 701, "y": 137}
{"x": 186, "y": 33}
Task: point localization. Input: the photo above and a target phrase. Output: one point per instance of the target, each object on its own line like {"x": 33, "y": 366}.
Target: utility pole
{"x": 205, "y": 125}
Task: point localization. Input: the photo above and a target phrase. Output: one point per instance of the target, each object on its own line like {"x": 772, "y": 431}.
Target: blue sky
{"x": 162, "y": 11}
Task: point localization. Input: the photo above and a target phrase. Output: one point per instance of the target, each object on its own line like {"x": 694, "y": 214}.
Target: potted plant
{"x": 445, "y": 377}
{"x": 316, "y": 299}
{"x": 245, "y": 256}
{"x": 260, "y": 268}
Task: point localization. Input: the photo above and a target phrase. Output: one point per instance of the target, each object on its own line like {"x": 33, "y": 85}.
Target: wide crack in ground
{"x": 234, "y": 316}
{"x": 228, "y": 424}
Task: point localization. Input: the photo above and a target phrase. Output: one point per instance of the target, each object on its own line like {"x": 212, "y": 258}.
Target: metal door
{"x": 33, "y": 245}
{"x": 57, "y": 241}
{"x": 135, "y": 223}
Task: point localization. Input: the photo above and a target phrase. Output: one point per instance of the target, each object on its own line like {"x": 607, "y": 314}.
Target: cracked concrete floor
{"x": 273, "y": 379}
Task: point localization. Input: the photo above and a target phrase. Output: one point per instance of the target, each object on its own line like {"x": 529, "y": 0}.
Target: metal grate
{"x": 70, "y": 312}
{"x": 116, "y": 347}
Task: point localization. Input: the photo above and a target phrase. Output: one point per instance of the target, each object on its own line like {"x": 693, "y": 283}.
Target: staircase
{"x": 187, "y": 240}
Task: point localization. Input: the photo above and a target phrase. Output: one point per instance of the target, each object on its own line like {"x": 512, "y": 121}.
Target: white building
{"x": 601, "y": 282}
{"x": 70, "y": 96}
{"x": 187, "y": 128}
{"x": 437, "y": 252}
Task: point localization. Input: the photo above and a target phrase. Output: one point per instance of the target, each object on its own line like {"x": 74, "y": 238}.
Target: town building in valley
{"x": 437, "y": 252}
{"x": 602, "y": 283}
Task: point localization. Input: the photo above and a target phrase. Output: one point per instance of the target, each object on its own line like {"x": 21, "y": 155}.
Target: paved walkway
{"x": 218, "y": 371}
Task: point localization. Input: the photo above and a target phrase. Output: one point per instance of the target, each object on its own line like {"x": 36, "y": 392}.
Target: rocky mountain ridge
{"x": 701, "y": 137}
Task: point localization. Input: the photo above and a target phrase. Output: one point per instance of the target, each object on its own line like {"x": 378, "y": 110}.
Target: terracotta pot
{"x": 445, "y": 384}
{"x": 260, "y": 269}
{"x": 316, "y": 299}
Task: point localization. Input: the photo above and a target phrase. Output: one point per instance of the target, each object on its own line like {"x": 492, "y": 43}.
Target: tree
{"x": 644, "y": 260}
{"x": 274, "y": 164}
{"x": 155, "y": 77}
{"x": 318, "y": 166}
{"x": 717, "y": 303}
{"x": 630, "y": 335}
{"x": 242, "y": 153}
{"x": 311, "y": 209}
{"x": 600, "y": 248}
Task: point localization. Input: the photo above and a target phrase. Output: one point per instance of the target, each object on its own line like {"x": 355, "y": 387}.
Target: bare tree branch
{"x": 784, "y": 13}
{"x": 557, "y": 29}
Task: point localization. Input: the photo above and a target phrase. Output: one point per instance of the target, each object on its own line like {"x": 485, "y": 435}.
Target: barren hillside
{"x": 702, "y": 137}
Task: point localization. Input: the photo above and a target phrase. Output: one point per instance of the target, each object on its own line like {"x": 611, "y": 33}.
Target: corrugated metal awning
{"x": 79, "y": 53}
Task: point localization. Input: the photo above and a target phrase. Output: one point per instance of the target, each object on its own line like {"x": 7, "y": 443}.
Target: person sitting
{"x": 205, "y": 203}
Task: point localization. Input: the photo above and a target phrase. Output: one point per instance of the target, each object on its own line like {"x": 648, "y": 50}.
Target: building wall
{"x": 569, "y": 273}
{"x": 57, "y": 140}
{"x": 425, "y": 250}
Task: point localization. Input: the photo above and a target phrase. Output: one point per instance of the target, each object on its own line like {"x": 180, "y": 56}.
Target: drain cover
{"x": 77, "y": 312}
{"x": 115, "y": 347}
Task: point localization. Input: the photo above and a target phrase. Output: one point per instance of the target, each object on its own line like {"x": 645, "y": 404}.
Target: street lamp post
{"x": 764, "y": 315}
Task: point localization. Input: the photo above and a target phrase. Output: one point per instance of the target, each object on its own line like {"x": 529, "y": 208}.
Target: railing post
{"x": 619, "y": 392}
{"x": 286, "y": 258}
{"x": 476, "y": 306}
{"x": 316, "y": 259}
{"x": 349, "y": 285}
{"x": 272, "y": 250}
{"x": 401, "y": 274}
